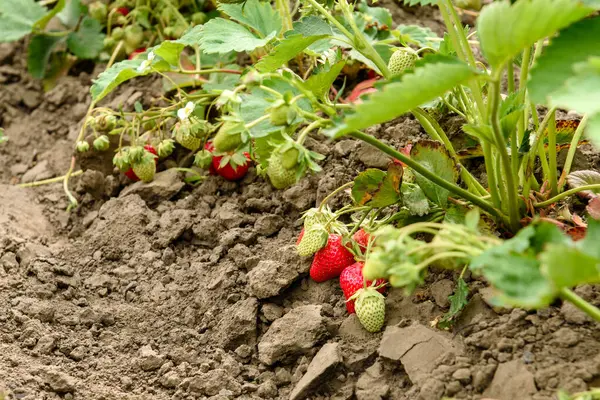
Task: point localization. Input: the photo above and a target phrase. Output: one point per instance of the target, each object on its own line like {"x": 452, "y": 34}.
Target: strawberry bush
{"x": 428, "y": 208}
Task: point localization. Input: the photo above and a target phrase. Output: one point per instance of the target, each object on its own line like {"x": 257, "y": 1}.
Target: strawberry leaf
{"x": 458, "y": 301}
{"x": 260, "y": 16}
{"x": 554, "y": 67}
{"x": 417, "y": 35}
{"x": 320, "y": 83}
{"x": 378, "y": 188}
{"x": 222, "y": 36}
{"x": 434, "y": 77}
{"x": 433, "y": 156}
{"x": 567, "y": 266}
{"x": 414, "y": 199}
{"x": 70, "y": 14}
{"x": 312, "y": 26}
{"x": 287, "y": 49}
{"x": 38, "y": 53}
{"x": 41, "y": 23}
{"x": 18, "y": 17}
{"x": 88, "y": 40}
{"x": 506, "y": 29}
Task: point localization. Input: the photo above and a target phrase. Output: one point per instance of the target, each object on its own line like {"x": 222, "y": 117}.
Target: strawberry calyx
{"x": 149, "y": 149}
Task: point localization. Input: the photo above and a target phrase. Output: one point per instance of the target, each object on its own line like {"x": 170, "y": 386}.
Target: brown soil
{"x": 166, "y": 291}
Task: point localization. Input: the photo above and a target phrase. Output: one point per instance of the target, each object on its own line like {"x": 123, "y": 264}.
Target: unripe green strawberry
{"x": 121, "y": 160}
{"x": 376, "y": 266}
{"x": 474, "y": 5}
{"x": 203, "y": 159}
{"x": 199, "y": 18}
{"x": 188, "y": 141}
{"x": 225, "y": 141}
{"x": 282, "y": 115}
{"x": 289, "y": 159}
{"x": 134, "y": 36}
{"x": 102, "y": 143}
{"x": 109, "y": 43}
{"x": 370, "y": 308}
{"x": 145, "y": 168}
{"x": 280, "y": 177}
{"x": 82, "y": 146}
{"x": 165, "y": 148}
{"x": 313, "y": 240}
{"x": 98, "y": 11}
{"x": 402, "y": 59}
{"x": 104, "y": 122}
{"x": 118, "y": 33}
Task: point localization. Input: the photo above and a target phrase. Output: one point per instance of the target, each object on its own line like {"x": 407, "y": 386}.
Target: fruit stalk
{"x": 569, "y": 295}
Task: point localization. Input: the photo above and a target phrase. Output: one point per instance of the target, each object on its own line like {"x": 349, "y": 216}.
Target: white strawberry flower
{"x": 146, "y": 63}
{"x": 184, "y": 113}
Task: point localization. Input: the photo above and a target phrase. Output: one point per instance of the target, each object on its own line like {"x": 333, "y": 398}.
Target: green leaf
{"x": 119, "y": 73}
{"x": 433, "y": 156}
{"x": 192, "y": 37}
{"x": 589, "y": 244}
{"x": 567, "y": 266}
{"x": 592, "y": 130}
{"x": 223, "y": 36}
{"x": 418, "y": 35}
{"x": 169, "y": 51}
{"x": 581, "y": 91}
{"x": 381, "y": 16}
{"x": 458, "y": 301}
{"x": 287, "y": 49}
{"x": 257, "y": 15}
{"x": 17, "y": 18}
{"x": 414, "y": 199}
{"x": 88, "y": 41}
{"x": 312, "y": 26}
{"x": 438, "y": 75}
{"x": 554, "y": 67}
{"x": 38, "y": 53}
{"x": 70, "y": 14}
{"x": 418, "y": 2}
{"x": 365, "y": 184}
{"x": 42, "y": 22}
{"x": 320, "y": 83}
{"x": 377, "y": 188}
{"x": 506, "y": 29}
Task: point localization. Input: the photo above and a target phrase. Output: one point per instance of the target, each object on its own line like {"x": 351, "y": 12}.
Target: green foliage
{"x": 552, "y": 70}
{"x": 434, "y": 157}
{"x": 256, "y": 15}
{"x": 433, "y": 78}
{"x": 377, "y": 188}
{"x": 418, "y": 2}
{"x": 87, "y": 41}
{"x": 416, "y": 35}
{"x": 458, "y": 301}
{"x": 222, "y": 36}
{"x": 506, "y": 29}
{"x": 42, "y": 22}
{"x": 18, "y": 17}
{"x": 287, "y": 49}
{"x": 414, "y": 199}
{"x": 320, "y": 83}
{"x": 38, "y": 53}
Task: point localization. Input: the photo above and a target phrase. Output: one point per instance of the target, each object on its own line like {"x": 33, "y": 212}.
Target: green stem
{"x": 336, "y": 191}
{"x": 569, "y": 295}
{"x": 552, "y": 178}
{"x": 209, "y": 71}
{"x": 302, "y": 136}
{"x": 48, "y": 181}
{"x": 510, "y": 76}
{"x": 509, "y": 174}
{"x": 257, "y": 121}
{"x": 491, "y": 176}
{"x": 571, "y": 154}
{"x": 567, "y": 193}
{"x": 536, "y": 149}
{"x": 484, "y": 205}
{"x": 283, "y": 6}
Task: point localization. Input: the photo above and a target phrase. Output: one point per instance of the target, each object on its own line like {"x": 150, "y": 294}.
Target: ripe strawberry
{"x": 136, "y": 53}
{"x": 280, "y": 177}
{"x": 330, "y": 261}
{"x": 370, "y": 308}
{"x": 230, "y": 172}
{"x": 123, "y": 11}
{"x": 131, "y": 174}
{"x": 312, "y": 240}
{"x": 402, "y": 59}
{"x": 362, "y": 239}
{"x": 351, "y": 280}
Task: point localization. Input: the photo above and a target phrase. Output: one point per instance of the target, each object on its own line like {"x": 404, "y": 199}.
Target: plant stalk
{"x": 569, "y": 295}
{"x": 552, "y": 171}
{"x": 571, "y": 154}
{"x": 566, "y": 193}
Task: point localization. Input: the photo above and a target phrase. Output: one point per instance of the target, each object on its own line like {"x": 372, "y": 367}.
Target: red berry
{"x": 228, "y": 171}
{"x": 362, "y": 238}
{"x": 136, "y": 53}
{"x": 330, "y": 261}
{"x": 300, "y": 236}
{"x": 130, "y": 174}
{"x": 351, "y": 280}
{"x": 123, "y": 11}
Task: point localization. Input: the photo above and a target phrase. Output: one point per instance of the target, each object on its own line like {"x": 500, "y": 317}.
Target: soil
{"x": 168, "y": 291}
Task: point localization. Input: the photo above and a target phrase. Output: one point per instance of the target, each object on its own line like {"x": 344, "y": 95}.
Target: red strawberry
{"x": 330, "y": 261}
{"x": 130, "y": 174}
{"x": 123, "y": 11}
{"x": 362, "y": 238}
{"x": 300, "y": 236}
{"x": 136, "y": 53}
{"x": 228, "y": 171}
{"x": 351, "y": 280}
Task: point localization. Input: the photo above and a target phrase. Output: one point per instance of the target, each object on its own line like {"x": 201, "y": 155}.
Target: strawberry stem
{"x": 332, "y": 194}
